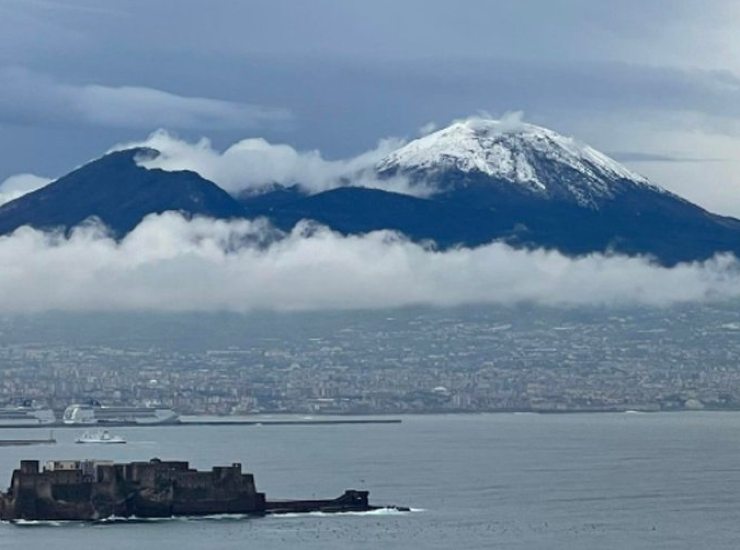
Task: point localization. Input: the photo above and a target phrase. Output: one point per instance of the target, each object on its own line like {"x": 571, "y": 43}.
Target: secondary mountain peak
{"x": 118, "y": 192}
{"x": 536, "y": 160}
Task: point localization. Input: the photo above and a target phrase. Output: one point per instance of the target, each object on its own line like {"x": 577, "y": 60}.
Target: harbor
{"x": 220, "y": 422}
{"x": 27, "y": 442}
{"x": 94, "y": 414}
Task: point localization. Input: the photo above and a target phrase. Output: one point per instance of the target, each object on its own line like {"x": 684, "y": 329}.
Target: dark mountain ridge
{"x": 633, "y": 224}
{"x": 118, "y": 192}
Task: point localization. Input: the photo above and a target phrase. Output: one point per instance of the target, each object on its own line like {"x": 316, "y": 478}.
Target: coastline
{"x": 293, "y": 419}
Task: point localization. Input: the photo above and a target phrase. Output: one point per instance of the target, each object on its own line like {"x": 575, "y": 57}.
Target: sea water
{"x": 576, "y": 481}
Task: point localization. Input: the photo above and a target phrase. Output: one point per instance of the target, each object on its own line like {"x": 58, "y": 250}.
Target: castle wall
{"x": 147, "y": 489}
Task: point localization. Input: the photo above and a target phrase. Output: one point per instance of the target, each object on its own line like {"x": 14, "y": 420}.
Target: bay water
{"x": 570, "y": 481}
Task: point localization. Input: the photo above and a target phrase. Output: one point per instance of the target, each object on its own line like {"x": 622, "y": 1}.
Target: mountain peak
{"x": 117, "y": 191}
{"x": 536, "y": 159}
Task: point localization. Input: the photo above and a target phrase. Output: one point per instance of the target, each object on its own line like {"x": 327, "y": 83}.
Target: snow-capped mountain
{"x": 516, "y": 183}
{"x": 520, "y": 184}
{"x": 535, "y": 160}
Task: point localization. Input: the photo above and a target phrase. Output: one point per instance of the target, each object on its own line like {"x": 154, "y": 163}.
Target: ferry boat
{"x": 26, "y": 414}
{"x": 103, "y": 437}
{"x": 94, "y": 413}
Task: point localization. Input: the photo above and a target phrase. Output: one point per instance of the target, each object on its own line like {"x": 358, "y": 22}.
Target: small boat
{"x": 100, "y": 436}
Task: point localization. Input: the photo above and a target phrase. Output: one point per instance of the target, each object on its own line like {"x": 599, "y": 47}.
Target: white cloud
{"x": 427, "y": 128}
{"x": 170, "y": 264}
{"x": 509, "y": 122}
{"x": 254, "y": 163}
{"x": 32, "y": 97}
{"x": 20, "y": 184}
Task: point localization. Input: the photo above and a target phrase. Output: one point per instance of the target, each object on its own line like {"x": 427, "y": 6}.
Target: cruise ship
{"x": 26, "y": 414}
{"x": 94, "y": 413}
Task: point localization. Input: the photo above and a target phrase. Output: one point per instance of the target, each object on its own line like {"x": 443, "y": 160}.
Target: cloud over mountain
{"x": 254, "y": 163}
{"x": 19, "y": 185}
{"x": 171, "y": 264}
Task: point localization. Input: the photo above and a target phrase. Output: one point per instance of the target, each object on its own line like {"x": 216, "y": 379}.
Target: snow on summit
{"x": 540, "y": 160}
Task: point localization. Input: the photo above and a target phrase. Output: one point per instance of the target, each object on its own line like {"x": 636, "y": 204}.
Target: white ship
{"x": 101, "y": 437}
{"x": 94, "y": 413}
{"x": 26, "y": 414}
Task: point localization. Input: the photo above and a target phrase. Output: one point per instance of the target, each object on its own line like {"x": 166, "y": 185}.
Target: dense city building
{"x": 488, "y": 359}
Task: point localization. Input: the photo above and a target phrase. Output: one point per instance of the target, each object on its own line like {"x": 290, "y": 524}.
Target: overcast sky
{"x": 654, "y": 83}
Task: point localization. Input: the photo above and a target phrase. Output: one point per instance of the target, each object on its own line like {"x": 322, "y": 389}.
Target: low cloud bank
{"x": 253, "y": 164}
{"x": 169, "y": 263}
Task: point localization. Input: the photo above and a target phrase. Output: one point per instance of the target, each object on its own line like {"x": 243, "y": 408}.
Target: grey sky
{"x": 656, "y": 81}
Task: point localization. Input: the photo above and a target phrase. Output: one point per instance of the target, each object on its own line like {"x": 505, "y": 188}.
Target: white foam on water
{"x": 212, "y": 517}
{"x": 209, "y": 517}
{"x": 378, "y": 512}
{"x": 120, "y": 519}
{"x": 39, "y": 523}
